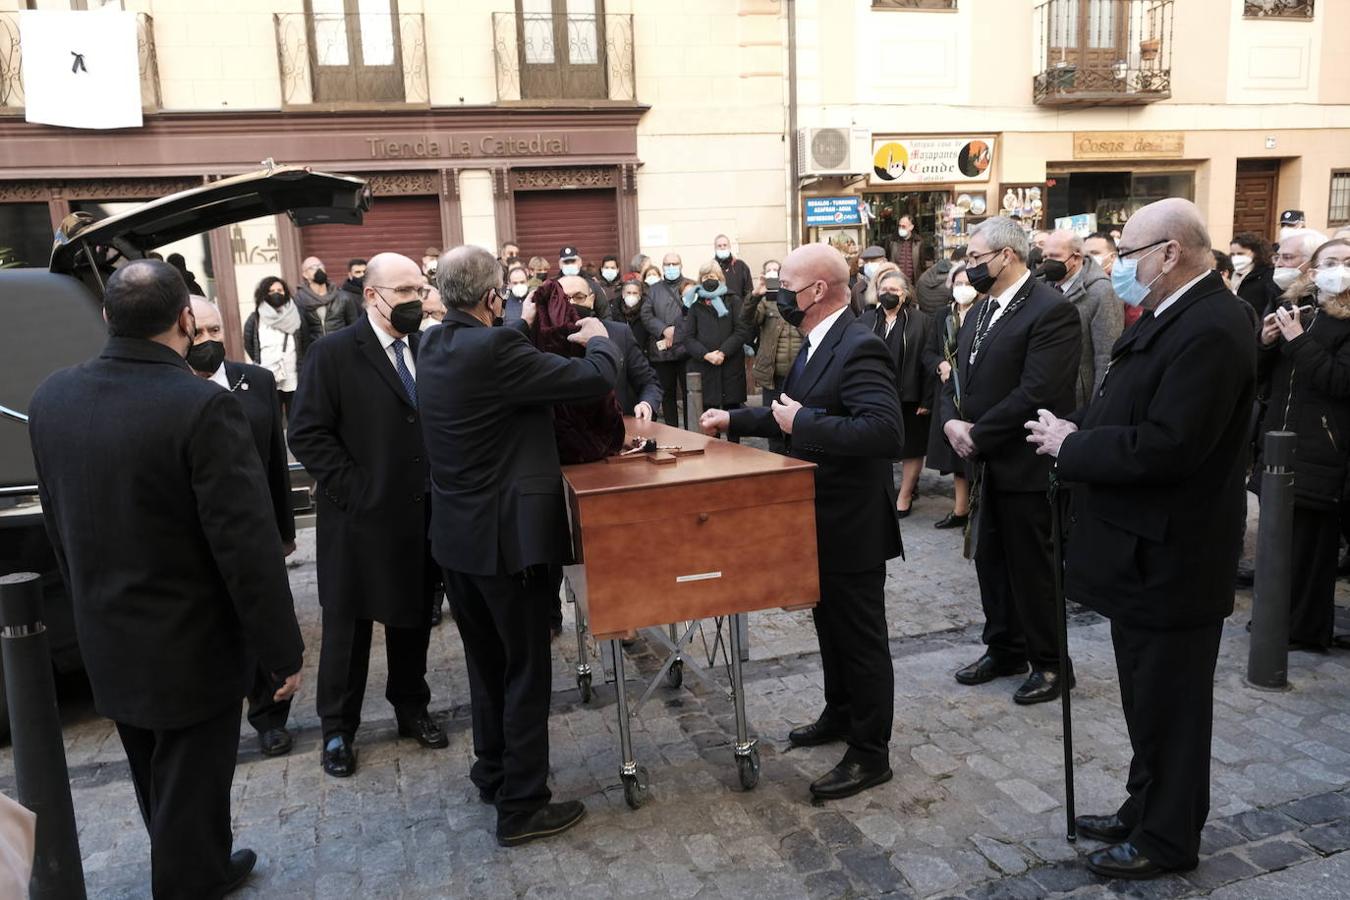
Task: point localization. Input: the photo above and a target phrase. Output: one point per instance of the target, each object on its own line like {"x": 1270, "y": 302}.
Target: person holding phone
{"x": 777, "y": 342}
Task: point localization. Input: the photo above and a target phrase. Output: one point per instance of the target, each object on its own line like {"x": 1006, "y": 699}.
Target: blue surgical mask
{"x": 571, "y": 269}
{"x": 723, "y": 254}
{"x": 1123, "y": 281}
{"x": 672, "y": 273}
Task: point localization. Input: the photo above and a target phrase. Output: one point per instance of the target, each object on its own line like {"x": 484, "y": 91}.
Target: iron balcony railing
{"x": 11, "y": 63}
{"x": 543, "y": 57}
{"x": 1103, "y": 52}
{"x": 358, "y": 60}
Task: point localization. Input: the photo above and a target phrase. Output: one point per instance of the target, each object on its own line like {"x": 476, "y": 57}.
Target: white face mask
{"x": 1333, "y": 281}
{"x": 870, "y": 269}
{"x": 631, "y": 300}
{"x": 1286, "y": 275}
{"x": 772, "y": 273}
{"x": 1241, "y": 262}
{"x": 520, "y": 290}
{"x": 652, "y": 280}
{"x": 904, "y": 233}
{"x": 571, "y": 269}
{"x": 964, "y": 294}
{"x": 609, "y": 274}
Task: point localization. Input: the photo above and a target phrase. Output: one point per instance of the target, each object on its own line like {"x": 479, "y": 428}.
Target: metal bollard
{"x": 1268, "y": 654}
{"x": 39, "y": 750}
{"x": 693, "y": 400}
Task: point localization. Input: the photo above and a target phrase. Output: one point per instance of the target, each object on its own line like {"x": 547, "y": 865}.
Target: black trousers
{"x": 503, "y": 621}
{"x": 344, "y": 664}
{"x": 855, "y": 656}
{"x": 1015, "y": 566}
{"x": 671, "y": 376}
{"x": 264, "y": 713}
{"x": 1167, "y": 690}
{"x": 1312, "y": 598}
{"x": 182, "y": 779}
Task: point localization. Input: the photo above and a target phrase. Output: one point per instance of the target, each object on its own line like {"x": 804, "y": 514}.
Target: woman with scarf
{"x": 714, "y": 334}
{"x": 274, "y": 337}
{"x": 898, "y": 321}
{"x": 1304, "y": 363}
{"x": 940, "y": 349}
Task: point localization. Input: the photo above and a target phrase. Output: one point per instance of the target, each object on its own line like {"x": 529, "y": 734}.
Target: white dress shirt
{"x": 387, "y": 342}
{"x": 1177, "y": 294}
{"x": 218, "y": 376}
{"x": 1006, "y": 297}
{"x": 822, "y": 328}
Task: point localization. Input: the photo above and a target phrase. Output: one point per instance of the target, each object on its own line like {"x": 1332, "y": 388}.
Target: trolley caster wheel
{"x": 675, "y": 674}
{"x": 635, "y": 788}
{"x": 747, "y": 767}
{"x": 584, "y": 686}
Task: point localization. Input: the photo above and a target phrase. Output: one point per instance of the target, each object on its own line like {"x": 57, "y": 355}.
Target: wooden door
{"x": 1254, "y": 201}
{"x": 1089, "y": 34}
{"x": 355, "y": 51}
{"x": 562, "y": 49}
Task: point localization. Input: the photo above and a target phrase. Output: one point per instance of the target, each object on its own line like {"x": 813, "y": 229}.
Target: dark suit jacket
{"x": 256, "y": 390}
{"x": 487, "y": 399}
{"x": 850, "y": 427}
{"x": 356, "y": 432}
{"x": 1158, "y": 465}
{"x": 1028, "y": 361}
{"x": 164, "y": 534}
{"x": 637, "y": 379}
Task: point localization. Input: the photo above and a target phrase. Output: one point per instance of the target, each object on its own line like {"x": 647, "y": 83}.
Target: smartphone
{"x": 771, "y": 283}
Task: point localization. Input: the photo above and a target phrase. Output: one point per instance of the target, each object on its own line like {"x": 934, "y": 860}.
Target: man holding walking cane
{"x": 1157, "y": 463}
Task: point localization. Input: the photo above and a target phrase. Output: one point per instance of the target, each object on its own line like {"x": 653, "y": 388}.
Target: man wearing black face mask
{"x": 1017, "y": 352}
{"x": 256, "y": 390}
{"x": 1100, "y": 313}
{"x": 155, "y": 503}
{"x": 326, "y": 307}
{"x": 357, "y": 430}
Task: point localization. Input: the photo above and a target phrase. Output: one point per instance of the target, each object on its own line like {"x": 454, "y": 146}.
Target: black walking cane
{"x": 1062, "y": 616}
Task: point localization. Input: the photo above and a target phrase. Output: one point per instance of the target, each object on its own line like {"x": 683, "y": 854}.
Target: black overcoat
{"x": 637, "y": 379}
{"x": 157, "y": 508}
{"x": 356, "y": 432}
{"x": 256, "y": 390}
{"x": 1028, "y": 361}
{"x": 850, "y": 427}
{"x": 1157, "y": 467}
{"x": 702, "y": 331}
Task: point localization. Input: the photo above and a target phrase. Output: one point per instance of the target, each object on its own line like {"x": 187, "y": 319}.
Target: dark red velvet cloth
{"x": 585, "y": 431}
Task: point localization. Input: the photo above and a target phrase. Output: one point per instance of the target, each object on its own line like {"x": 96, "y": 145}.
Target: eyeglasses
{"x": 1290, "y": 259}
{"x": 1327, "y": 265}
{"x": 990, "y": 254}
{"x": 407, "y": 291}
{"x": 1122, "y": 253}
{"x": 579, "y": 297}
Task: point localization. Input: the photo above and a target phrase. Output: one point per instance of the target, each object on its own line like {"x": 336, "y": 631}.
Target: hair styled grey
{"x": 465, "y": 274}
{"x": 1000, "y": 232}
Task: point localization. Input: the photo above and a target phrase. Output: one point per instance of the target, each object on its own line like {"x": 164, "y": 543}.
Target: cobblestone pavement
{"x": 975, "y": 809}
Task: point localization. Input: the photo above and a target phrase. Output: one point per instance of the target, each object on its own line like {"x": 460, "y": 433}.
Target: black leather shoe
{"x": 951, "y": 520}
{"x": 1124, "y": 860}
{"x": 903, "y": 513}
{"x": 817, "y": 733}
{"x": 1246, "y": 575}
{"x": 545, "y": 822}
{"x": 1041, "y": 686}
{"x": 275, "y": 742}
{"x": 987, "y": 668}
{"x": 436, "y": 615}
{"x": 339, "y": 759}
{"x": 425, "y": 730}
{"x": 1102, "y": 828}
{"x": 240, "y": 867}
{"x": 849, "y": 778}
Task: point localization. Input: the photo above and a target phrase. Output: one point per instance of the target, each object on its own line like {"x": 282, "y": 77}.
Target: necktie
{"x": 798, "y": 366}
{"x": 405, "y": 376}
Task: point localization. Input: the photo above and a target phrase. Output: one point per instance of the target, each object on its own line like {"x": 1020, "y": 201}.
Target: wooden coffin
{"x": 691, "y": 535}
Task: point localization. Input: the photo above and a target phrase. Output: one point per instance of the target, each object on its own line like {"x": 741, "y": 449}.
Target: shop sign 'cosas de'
{"x": 474, "y": 144}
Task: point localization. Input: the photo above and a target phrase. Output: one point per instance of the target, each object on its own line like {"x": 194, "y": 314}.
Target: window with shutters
{"x": 1338, "y": 210}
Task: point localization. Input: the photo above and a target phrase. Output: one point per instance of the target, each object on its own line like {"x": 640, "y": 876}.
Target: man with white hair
{"x": 1293, "y": 256}
{"x": 1157, "y": 464}
{"x": 1018, "y": 352}
{"x": 256, "y": 389}
{"x": 325, "y": 308}
{"x": 1088, "y": 290}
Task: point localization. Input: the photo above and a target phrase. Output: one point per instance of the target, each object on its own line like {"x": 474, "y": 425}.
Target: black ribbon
{"x": 78, "y": 64}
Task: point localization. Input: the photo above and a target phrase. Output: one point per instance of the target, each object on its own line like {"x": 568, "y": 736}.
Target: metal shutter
{"x": 549, "y": 220}
{"x": 406, "y": 225}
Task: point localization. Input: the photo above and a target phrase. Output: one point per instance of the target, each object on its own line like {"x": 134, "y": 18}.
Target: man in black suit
{"x": 155, "y": 503}
{"x": 499, "y": 523}
{"x": 356, "y": 430}
{"x": 255, "y": 388}
{"x": 1018, "y": 352}
{"x": 839, "y": 410}
{"x": 1157, "y": 463}
{"x": 637, "y": 388}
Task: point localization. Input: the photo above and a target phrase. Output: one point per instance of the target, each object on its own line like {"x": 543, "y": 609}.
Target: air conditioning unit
{"x": 833, "y": 151}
